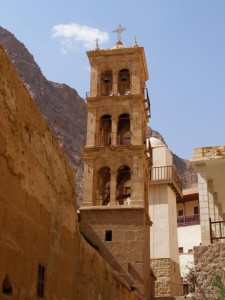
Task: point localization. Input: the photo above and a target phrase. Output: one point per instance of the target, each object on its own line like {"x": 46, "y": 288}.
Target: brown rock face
{"x": 65, "y": 111}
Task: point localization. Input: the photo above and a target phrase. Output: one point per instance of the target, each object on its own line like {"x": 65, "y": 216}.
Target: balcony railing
{"x": 107, "y": 138}
{"x": 188, "y": 220}
{"x": 167, "y": 174}
{"x": 217, "y": 230}
{"x": 106, "y": 89}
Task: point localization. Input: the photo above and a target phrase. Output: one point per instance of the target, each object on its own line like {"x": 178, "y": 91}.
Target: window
{"x": 181, "y": 250}
{"x": 108, "y": 235}
{"x": 196, "y": 210}
{"x": 180, "y": 212}
{"x": 40, "y": 283}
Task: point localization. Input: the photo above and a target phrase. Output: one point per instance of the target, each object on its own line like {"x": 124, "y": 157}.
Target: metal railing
{"x": 105, "y": 139}
{"x": 217, "y": 230}
{"x": 105, "y": 89}
{"x": 147, "y": 101}
{"x": 188, "y": 220}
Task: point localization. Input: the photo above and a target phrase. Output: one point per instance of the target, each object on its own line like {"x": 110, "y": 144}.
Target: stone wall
{"x": 38, "y": 223}
{"x": 209, "y": 261}
{"x": 168, "y": 281}
{"x": 125, "y": 249}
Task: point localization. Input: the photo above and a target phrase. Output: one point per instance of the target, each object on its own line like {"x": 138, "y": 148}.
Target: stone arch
{"x": 105, "y": 129}
{"x": 7, "y": 288}
{"x": 123, "y": 130}
{"x": 106, "y": 83}
{"x": 124, "y": 82}
{"x": 103, "y": 185}
{"x": 123, "y": 184}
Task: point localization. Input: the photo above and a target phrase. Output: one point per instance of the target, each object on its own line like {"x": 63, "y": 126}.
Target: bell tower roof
{"x": 101, "y": 55}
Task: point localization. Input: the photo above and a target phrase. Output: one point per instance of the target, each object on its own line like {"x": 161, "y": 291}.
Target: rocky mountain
{"x": 64, "y": 110}
{"x": 61, "y": 106}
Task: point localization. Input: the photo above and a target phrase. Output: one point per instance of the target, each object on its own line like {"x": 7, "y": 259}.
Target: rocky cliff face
{"x": 61, "y": 106}
{"x": 64, "y": 110}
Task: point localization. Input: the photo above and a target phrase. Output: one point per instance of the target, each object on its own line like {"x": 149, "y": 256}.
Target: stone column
{"x": 137, "y": 188}
{"x": 91, "y": 128}
{"x": 88, "y": 183}
{"x": 204, "y": 204}
{"x": 115, "y": 84}
{"x": 211, "y": 200}
{"x": 114, "y": 130}
{"x": 113, "y": 180}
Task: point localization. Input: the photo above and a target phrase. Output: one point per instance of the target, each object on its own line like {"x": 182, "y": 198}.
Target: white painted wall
{"x": 189, "y": 236}
{"x": 172, "y": 220}
{"x": 162, "y": 209}
{"x": 186, "y": 263}
{"x": 160, "y": 231}
{"x": 161, "y": 156}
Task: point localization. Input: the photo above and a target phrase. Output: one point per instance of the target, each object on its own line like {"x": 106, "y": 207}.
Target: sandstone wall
{"x": 125, "y": 251}
{"x": 38, "y": 223}
{"x": 208, "y": 261}
{"x": 168, "y": 281}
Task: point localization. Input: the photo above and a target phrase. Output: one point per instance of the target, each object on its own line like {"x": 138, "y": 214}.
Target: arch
{"x": 104, "y": 137}
{"x": 6, "y": 286}
{"x": 123, "y": 184}
{"x": 106, "y": 83}
{"x": 124, "y": 82}
{"x": 123, "y": 130}
{"x": 103, "y": 186}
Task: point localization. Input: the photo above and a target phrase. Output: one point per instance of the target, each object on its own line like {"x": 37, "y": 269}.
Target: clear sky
{"x": 184, "y": 43}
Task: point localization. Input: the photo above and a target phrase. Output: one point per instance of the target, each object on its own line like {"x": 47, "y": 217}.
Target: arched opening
{"x": 123, "y": 186}
{"x": 106, "y": 83}
{"x": 104, "y": 137}
{"x": 124, "y": 82}
{"x": 123, "y": 130}
{"x": 103, "y": 186}
{"x": 6, "y": 286}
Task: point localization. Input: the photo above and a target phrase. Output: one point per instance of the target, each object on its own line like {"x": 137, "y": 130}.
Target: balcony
{"x": 188, "y": 220}
{"x": 167, "y": 175}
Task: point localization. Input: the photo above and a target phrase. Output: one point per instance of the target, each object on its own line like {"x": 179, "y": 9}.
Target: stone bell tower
{"x": 114, "y": 211}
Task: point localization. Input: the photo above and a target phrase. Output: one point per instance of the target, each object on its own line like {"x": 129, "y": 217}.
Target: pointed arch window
{"x": 106, "y": 83}
{"x": 123, "y": 130}
{"x": 103, "y": 186}
{"x": 123, "y": 186}
{"x": 124, "y": 82}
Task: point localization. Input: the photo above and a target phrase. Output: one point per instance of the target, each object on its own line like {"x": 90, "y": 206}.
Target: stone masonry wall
{"x": 38, "y": 223}
{"x": 168, "y": 281}
{"x": 208, "y": 261}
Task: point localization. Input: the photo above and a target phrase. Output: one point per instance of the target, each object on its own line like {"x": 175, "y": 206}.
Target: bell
{"x": 123, "y": 77}
{"x": 106, "y": 78}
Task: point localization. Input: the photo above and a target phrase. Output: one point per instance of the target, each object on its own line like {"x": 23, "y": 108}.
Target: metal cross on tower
{"x": 97, "y": 40}
{"x": 119, "y": 30}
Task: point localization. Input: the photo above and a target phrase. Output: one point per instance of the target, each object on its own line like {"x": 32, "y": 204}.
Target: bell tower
{"x": 117, "y": 161}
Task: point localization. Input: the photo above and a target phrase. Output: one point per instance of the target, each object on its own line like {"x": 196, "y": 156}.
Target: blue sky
{"x": 184, "y": 43}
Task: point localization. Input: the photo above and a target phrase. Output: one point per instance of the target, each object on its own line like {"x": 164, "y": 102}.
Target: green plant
{"x": 191, "y": 280}
{"x": 218, "y": 282}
